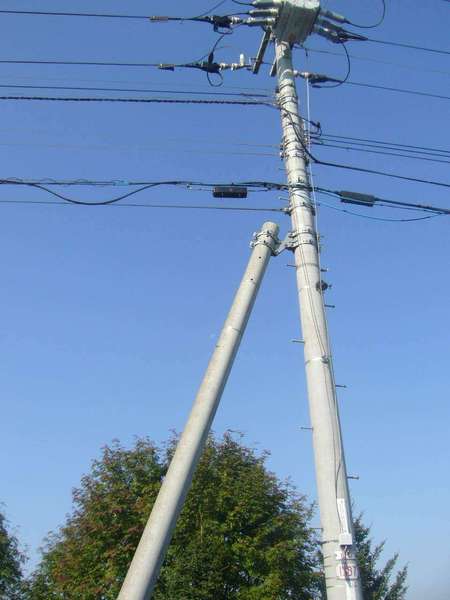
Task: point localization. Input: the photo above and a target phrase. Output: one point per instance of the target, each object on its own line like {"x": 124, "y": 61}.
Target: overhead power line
{"x": 387, "y": 144}
{"x": 409, "y": 46}
{"x": 318, "y": 161}
{"x": 141, "y": 186}
{"x": 168, "y": 206}
{"x": 395, "y": 89}
{"x": 91, "y": 63}
{"x": 411, "y": 67}
{"x": 136, "y": 100}
{"x": 132, "y": 90}
{"x": 73, "y": 14}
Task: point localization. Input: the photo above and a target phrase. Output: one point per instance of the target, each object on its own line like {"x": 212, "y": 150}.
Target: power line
{"x": 387, "y": 144}
{"x": 168, "y": 206}
{"x": 131, "y": 90}
{"x": 73, "y": 14}
{"x": 409, "y": 46}
{"x": 136, "y": 100}
{"x": 380, "y": 152}
{"x": 415, "y": 68}
{"x": 394, "y": 89}
{"x": 368, "y": 200}
{"x": 317, "y": 161}
{"x": 78, "y": 63}
{"x": 372, "y": 218}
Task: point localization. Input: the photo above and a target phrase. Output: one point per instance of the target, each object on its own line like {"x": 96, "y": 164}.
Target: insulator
{"x": 333, "y": 16}
{"x": 269, "y": 12}
{"x": 258, "y": 22}
{"x": 266, "y": 3}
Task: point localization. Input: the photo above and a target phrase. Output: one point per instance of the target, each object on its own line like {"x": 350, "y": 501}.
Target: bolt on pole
{"x": 146, "y": 564}
{"x": 338, "y": 542}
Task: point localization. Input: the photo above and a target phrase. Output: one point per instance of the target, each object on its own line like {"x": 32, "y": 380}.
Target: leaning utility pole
{"x": 146, "y": 564}
{"x": 338, "y": 543}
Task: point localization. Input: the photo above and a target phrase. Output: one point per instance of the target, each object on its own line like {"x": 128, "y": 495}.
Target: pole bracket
{"x": 266, "y": 238}
{"x": 290, "y": 242}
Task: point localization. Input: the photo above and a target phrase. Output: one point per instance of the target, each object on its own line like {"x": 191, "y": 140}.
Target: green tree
{"x": 11, "y": 561}
{"x": 242, "y": 535}
{"x": 378, "y": 583}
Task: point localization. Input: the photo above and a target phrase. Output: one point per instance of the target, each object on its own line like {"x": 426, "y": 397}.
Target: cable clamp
{"x": 266, "y": 238}
{"x": 323, "y": 359}
{"x": 290, "y": 242}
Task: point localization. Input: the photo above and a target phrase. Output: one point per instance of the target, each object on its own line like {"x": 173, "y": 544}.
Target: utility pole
{"x": 338, "y": 542}
{"x": 144, "y": 569}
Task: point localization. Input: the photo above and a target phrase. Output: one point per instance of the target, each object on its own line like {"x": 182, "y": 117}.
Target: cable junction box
{"x": 291, "y": 21}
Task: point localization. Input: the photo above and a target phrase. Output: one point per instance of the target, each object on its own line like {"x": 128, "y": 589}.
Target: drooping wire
{"x": 377, "y": 24}
{"x": 371, "y": 218}
{"x": 349, "y": 68}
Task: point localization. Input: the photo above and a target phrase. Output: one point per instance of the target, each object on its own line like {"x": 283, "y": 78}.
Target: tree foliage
{"x": 11, "y": 561}
{"x": 242, "y": 535}
{"x": 378, "y": 583}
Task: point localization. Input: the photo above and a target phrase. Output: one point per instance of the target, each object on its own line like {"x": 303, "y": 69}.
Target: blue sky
{"x": 109, "y": 314}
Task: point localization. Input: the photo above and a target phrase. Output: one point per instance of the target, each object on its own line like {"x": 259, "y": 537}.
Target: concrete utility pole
{"x": 144, "y": 569}
{"x": 338, "y": 544}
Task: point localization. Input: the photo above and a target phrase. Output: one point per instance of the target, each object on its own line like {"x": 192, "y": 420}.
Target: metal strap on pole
{"x": 146, "y": 564}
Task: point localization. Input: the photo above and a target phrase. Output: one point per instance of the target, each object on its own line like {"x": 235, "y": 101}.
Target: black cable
{"x": 371, "y": 218}
{"x": 78, "y": 63}
{"x": 136, "y": 100}
{"x": 131, "y": 90}
{"x": 135, "y": 205}
{"x": 349, "y": 68}
{"x": 377, "y": 60}
{"x": 317, "y": 161}
{"x": 409, "y": 46}
{"x": 380, "y": 152}
{"x": 377, "y": 24}
{"x": 144, "y": 185}
{"x": 72, "y": 14}
{"x": 387, "y": 144}
{"x": 393, "y": 89}
{"x": 317, "y": 79}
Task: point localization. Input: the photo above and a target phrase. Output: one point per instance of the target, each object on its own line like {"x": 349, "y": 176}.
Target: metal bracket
{"x": 266, "y": 238}
{"x": 290, "y": 242}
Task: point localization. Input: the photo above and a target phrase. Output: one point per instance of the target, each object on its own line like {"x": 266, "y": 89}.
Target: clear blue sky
{"x": 108, "y": 315}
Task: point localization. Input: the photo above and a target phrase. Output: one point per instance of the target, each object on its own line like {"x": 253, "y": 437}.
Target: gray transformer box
{"x": 296, "y": 20}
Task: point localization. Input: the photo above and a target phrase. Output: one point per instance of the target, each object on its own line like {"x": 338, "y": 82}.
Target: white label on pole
{"x": 347, "y": 570}
{"x": 342, "y": 510}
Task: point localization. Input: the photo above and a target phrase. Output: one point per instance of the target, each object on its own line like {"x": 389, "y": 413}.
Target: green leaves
{"x": 378, "y": 583}
{"x": 242, "y": 534}
{"x": 11, "y": 561}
